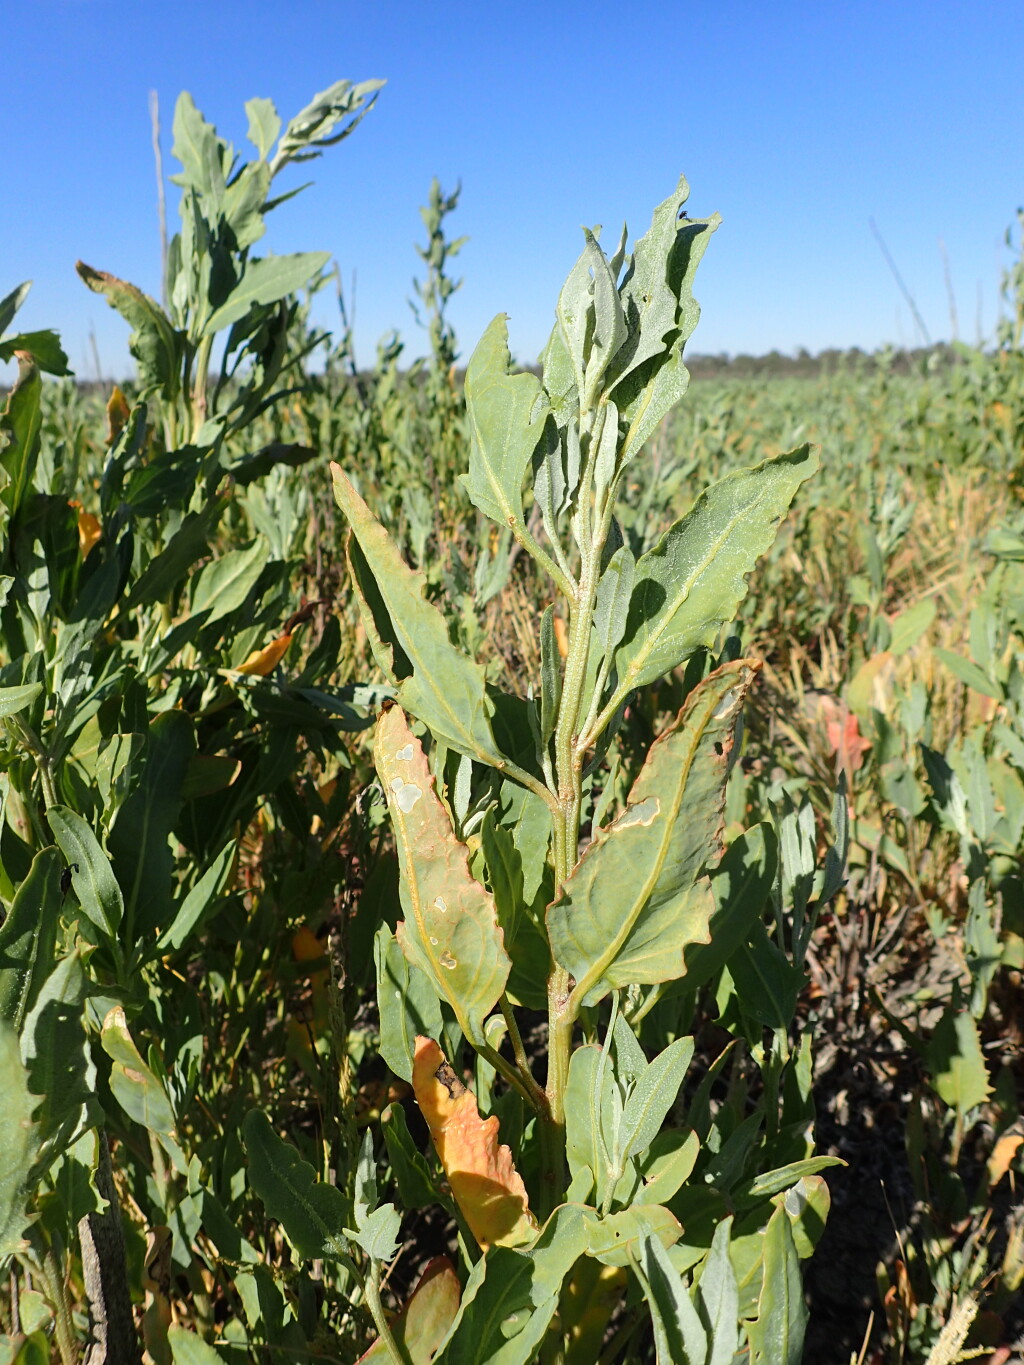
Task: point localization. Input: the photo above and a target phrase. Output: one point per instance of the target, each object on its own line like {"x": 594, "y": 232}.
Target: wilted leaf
{"x": 486, "y": 1185}
{"x": 263, "y": 661}
{"x": 154, "y": 343}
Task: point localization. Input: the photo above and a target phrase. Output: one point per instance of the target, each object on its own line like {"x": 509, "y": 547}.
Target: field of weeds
{"x": 504, "y": 865}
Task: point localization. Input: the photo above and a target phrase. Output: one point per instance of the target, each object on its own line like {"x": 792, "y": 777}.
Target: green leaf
{"x": 769, "y": 1183}
{"x": 435, "y": 681}
{"x": 742, "y": 885}
{"x": 669, "y": 1162}
{"x": 138, "y": 842}
{"x": 224, "y": 584}
{"x": 639, "y": 896}
{"x": 17, "y": 1143}
{"x": 406, "y": 1002}
{"x": 694, "y": 579}
{"x": 767, "y": 982}
{"x": 312, "y": 128}
{"x": 679, "y": 1334}
{"x": 311, "y": 1213}
{"x": 550, "y": 676}
{"x": 20, "y": 425}
{"x": 590, "y": 1108}
{"x": 511, "y": 1296}
{"x": 15, "y": 699}
{"x": 648, "y": 375}
{"x": 265, "y": 281}
{"x": 205, "y": 158}
{"x": 162, "y": 576}
{"x": 653, "y": 1096}
{"x": 135, "y": 1086}
{"x": 378, "y": 1235}
{"x": 44, "y": 348}
{"x": 956, "y": 1063}
{"x": 910, "y": 625}
{"x": 968, "y": 672}
{"x": 92, "y": 876}
{"x": 28, "y": 937}
{"x": 188, "y": 1348}
{"x": 617, "y": 1238}
{"x": 777, "y": 1334}
{"x": 416, "y": 1187}
{"x": 718, "y": 1298}
{"x": 451, "y": 927}
{"x": 56, "y": 1054}
{"x": 656, "y": 304}
{"x": 200, "y": 900}
{"x": 10, "y": 304}
{"x": 154, "y": 343}
{"x": 264, "y": 125}
{"x": 507, "y": 415}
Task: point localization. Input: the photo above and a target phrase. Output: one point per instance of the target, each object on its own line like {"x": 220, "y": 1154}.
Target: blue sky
{"x": 797, "y": 122}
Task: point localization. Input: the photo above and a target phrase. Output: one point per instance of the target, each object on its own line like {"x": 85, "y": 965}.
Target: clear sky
{"x": 797, "y": 121}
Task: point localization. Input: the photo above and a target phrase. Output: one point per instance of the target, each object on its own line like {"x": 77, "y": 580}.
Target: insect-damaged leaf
{"x": 507, "y": 413}
{"x": 612, "y": 927}
{"x": 451, "y": 926}
{"x": 695, "y": 577}
{"x": 486, "y": 1185}
{"x": 436, "y": 682}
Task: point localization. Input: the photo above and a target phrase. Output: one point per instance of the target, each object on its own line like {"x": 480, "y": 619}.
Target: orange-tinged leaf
{"x": 1002, "y": 1156}
{"x": 424, "y": 1321}
{"x": 89, "y": 532}
{"x": 486, "y": 1185}
{"x": 306, "y": 947}
{"x": 118, "y": 413}
{"x": 263, "y": 661}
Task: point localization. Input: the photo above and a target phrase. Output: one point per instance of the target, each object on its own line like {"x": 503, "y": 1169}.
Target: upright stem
{"x": 592, "y": 530}
{"x": 376, "y": 1307}
{"x": 199, "y": 388}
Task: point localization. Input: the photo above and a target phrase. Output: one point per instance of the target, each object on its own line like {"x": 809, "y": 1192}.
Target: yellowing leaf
{"x": 1002, "y": 1156}
{"x": 263, "y": 661}
{"x": 486, "y": 1185}
{"x": 118, "y": 413}
{"x": 450, "y": 930}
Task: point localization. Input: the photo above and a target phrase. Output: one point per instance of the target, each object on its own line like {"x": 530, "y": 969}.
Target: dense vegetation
{"x": 337, "y": 1021}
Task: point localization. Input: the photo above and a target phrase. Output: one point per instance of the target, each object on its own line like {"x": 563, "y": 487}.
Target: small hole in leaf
{"x": 718, "y": 747}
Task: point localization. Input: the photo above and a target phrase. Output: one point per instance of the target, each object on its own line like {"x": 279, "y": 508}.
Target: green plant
{"x": 488, "y": 794}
